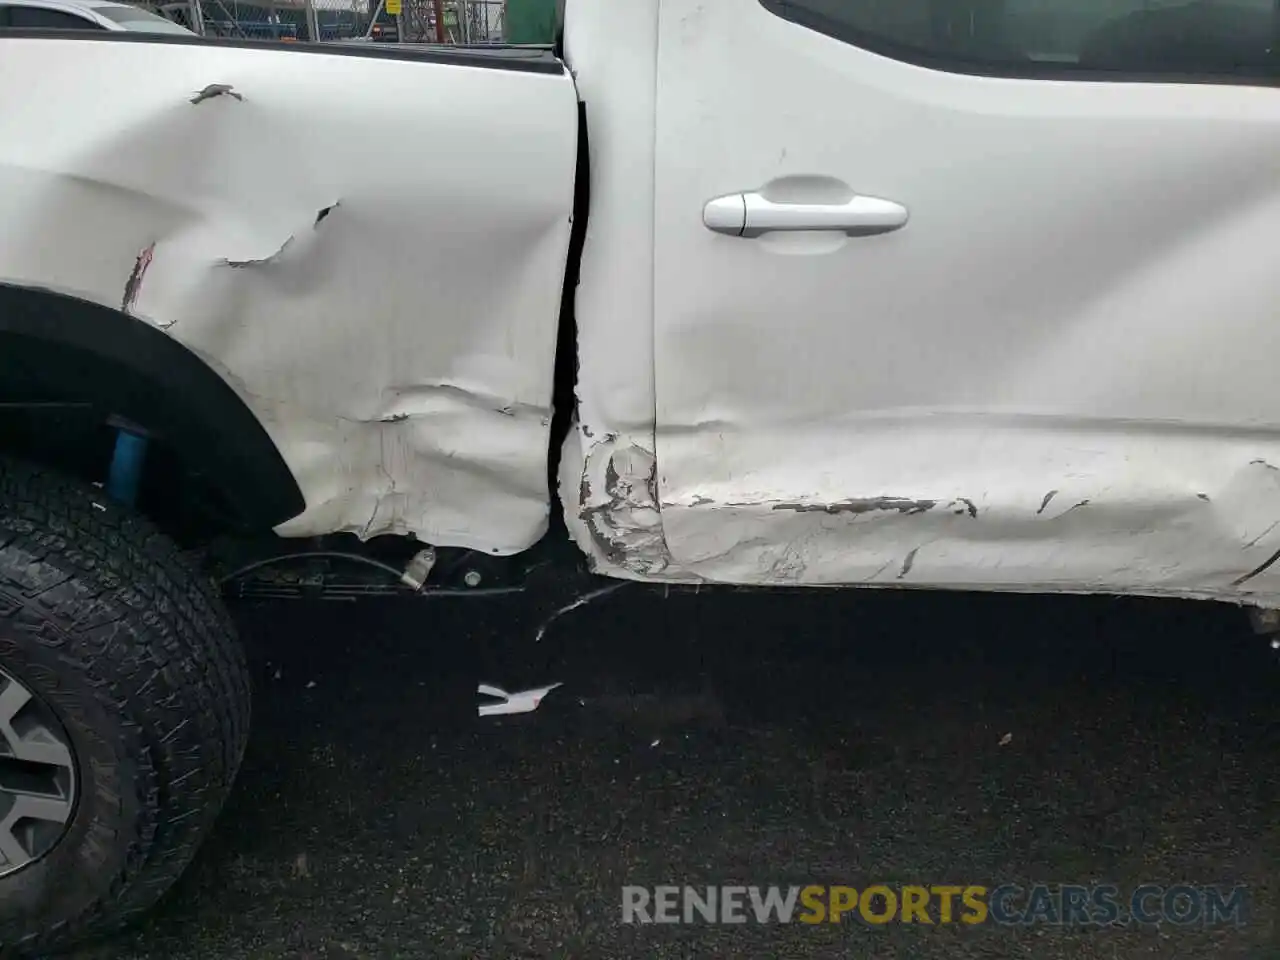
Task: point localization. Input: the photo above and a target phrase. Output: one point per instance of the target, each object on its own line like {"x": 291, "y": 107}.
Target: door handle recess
{"x": 753, "y": 214}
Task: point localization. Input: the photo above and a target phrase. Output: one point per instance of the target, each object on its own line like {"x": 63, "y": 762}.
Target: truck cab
{"x": 966, "y": 295}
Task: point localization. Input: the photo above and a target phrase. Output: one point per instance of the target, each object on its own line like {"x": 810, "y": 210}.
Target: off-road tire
{"x": 128, "y": 643}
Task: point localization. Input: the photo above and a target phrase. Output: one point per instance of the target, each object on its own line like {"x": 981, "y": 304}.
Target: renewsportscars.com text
{"x": 973, "y": 904}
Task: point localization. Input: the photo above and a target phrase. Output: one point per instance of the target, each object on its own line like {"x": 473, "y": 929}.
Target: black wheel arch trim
{"x": 86, "y": 352}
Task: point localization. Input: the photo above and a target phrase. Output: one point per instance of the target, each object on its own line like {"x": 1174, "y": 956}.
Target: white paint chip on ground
{"x": 1006, "y": 739}
{"x": 520, "y": 701}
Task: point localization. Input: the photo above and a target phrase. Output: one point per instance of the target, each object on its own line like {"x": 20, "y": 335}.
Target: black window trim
{"x": 802, "y": 16}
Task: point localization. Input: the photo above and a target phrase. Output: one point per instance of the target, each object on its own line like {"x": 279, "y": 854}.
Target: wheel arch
{"x": 56, "y": 348}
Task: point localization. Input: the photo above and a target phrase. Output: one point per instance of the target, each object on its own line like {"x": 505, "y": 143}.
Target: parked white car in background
{"x": 83, "y": 15}
{"x": 975, "y": 294}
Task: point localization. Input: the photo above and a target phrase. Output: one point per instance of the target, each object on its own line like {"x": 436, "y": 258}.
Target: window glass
{"x": 39, "y": 18}
{"x": 135, "y": 18}
{"x": 1033, "y": 37}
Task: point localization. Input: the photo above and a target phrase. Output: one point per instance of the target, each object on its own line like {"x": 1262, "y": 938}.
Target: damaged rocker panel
{"x": 903, "y": 505}
{"x": 1005, "y": 539}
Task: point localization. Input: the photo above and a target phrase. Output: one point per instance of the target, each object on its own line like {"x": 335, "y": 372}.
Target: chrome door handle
{"x": 753, "y": 214}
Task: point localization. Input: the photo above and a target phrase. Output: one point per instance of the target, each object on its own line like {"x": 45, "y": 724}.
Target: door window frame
{"x": 796, "y": 12}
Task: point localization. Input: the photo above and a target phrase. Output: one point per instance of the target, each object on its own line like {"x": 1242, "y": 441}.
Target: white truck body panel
{"x": 1058, "y": 376}
{"x": 400, "y": 349}
{"x": 1054, "y": 377}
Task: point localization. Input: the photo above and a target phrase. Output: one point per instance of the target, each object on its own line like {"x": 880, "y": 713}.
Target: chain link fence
{"x": 419, "y": 21}
{"x": 442, "y": 21}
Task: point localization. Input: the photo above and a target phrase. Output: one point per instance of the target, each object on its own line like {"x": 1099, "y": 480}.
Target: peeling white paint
{"x": 1009, "y": 393}
{"x": 1173, "y": 516}
{"x": 370, "y": 250}
{"x": 618, "y": 508}
{"x": 1068, "y": 350}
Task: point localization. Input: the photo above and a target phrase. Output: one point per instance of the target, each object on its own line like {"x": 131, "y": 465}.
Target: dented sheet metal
{"x": 1195, "y": 517}
{"x": 608, "y": 471}
{"x": 617, "y": 517}
{"x": 1189, "y": 523}
{"x": 370, "y": 250}
{"x": 1057, "y": 376}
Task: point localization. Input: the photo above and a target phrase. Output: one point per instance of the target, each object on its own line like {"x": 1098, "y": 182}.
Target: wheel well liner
{"x": 57, "y": 348}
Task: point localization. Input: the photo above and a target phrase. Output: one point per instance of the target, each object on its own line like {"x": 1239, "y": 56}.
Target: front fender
{"x": 368, "y": 246}
{"x": 75, "y": 350}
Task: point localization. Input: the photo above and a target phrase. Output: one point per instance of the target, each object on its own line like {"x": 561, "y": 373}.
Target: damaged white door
{"x": 368, "y": 244}
{"x": 1010, "y": 331}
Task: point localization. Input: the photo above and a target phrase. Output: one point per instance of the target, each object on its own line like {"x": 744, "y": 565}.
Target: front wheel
{"x": 124, "y": 711}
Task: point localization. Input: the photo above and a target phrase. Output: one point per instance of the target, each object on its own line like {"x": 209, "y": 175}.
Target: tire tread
{"x": 147, "y": 629}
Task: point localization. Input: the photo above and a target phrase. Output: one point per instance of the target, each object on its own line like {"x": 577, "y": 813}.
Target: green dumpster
{"x": 530, "y": 21}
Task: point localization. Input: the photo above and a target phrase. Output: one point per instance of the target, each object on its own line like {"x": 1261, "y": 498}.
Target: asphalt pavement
{"x": 727, "y": 737}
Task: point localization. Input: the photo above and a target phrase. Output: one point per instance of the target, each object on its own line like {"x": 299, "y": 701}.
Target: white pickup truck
{"x": 974, "y": 294}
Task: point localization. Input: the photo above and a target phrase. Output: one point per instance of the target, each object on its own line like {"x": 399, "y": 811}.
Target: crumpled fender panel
{"x": 369, "y": 250}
